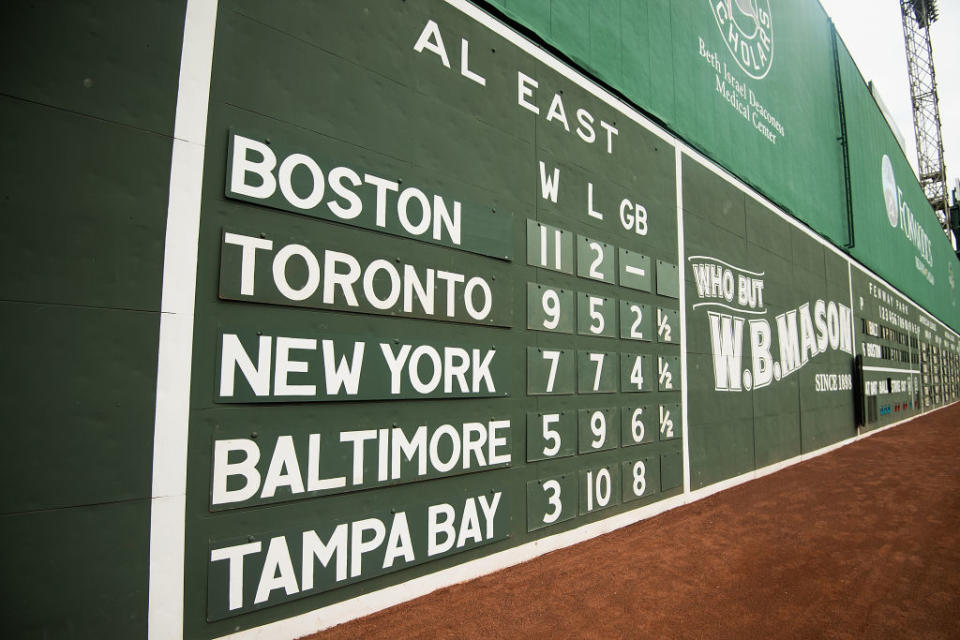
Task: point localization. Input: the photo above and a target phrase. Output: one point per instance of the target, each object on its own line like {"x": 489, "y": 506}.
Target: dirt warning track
{"x": 863, "y": 542}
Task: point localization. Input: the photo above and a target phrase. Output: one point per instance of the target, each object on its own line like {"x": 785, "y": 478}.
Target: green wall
{"x": 659, "y": 55}
{"x": 594, "y": 279}
{"x": 87, "y": 109}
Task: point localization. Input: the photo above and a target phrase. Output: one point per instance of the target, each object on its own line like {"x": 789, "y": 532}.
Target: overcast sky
{"x": 873, "y": 32}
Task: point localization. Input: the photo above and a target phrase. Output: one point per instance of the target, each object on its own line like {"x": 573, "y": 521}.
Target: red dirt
{"x": 863, "y": 542}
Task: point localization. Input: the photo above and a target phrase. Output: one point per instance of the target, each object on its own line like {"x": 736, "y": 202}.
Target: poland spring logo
{"x": 747, "y": 28}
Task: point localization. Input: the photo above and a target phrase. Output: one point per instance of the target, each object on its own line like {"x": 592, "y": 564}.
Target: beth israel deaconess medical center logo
{"x": 747, "y": 28}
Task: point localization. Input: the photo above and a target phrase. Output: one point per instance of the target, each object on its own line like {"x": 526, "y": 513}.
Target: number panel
{"x": 560, "y": 435}
{"x": 668, "y": 326}
{"x": 596, "y": 315}
{"x": 600, "y": 488}
{"x": 668, "y": 279}
{"x": 551, "y": 500}
{"x": 596, "y": 372}
{"x": 635, "y": 271}
{"x": 629, "y": 430}
{"x": 549, "y": 247}
{"x": 595, "y": 260}
{"x": 636, "y": 321}
{"x": 549, "y": 308}
{"x": 651, "y": 478}
{"x": 668, "y": 373}
{"x": 671, "y": 470}
{"x": 636, "y": 377}
{"x": 670, "y": 421}
{"x": 550, "y": 371}
{"x": 598, "y": 430}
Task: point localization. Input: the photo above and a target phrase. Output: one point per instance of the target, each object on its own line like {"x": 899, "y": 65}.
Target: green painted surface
{"x": 87, "y": 115}
{"x": 90, "y": 427}
{"x": 897, "y": 234}
{"x": 778, "y": 131}
{"x": 566, "y": 371}
{"x": 78, "y": 572}
{"x": 769, "y": 335}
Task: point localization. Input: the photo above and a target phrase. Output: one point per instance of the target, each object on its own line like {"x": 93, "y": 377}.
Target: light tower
{"x": 918, "y": 15}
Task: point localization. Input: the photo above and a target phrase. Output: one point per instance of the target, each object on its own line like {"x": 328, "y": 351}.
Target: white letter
{"x": 465, "y": 64}
{"x": 451, "y": 279}
{"x": 481, "y": 371}
{"x": 242, "y": 165}
{"x": 336, "y": 176}
{"x": 232, "y": 353}
{"x": 549, "y": 187}
{"x": 524, "y": 84}
{"x": 495, "y": 442}
{"x": 332, "y": 279}
{"x": 402, "y": 202}
{"x": 286, "y": 366}
{"x": 484, "y": 310}
{"x": 247, "y": 258}
{"x": 286, "y": 185}
{"x": 278, "y": 559}
{"x": 235, "y": 555}
{"x": 431, "y": 30}
{"x": 586, "y": 123}
{"x": 313, "y": 546}
{"x": 399, "y": 542}
{"x": 611, "y": 131}
{"x": 284, "y": 457}
{"x": 393, "y": 294}
{"x": 359, "y": 547}
{"x": 280, "y": 272}
{"x": 436, "y": 527}
{"x": 358, "y": 438}
{"x": 382, "y": 187}
{"x": 314, "y": 482}
{"x": 341, "y": 374}
{"x": 489, "y": 511}
{"x": 395, "y": 364}
{"x": 556, "y": 111}
{"x": 223, "y": 469}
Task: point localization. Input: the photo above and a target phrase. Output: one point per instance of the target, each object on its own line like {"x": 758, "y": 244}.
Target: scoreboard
{"x": 438, "y": 306}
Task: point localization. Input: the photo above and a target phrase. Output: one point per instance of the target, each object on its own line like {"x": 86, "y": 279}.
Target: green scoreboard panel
{"x": 770, "y": 339}
{"x": 438, "y": 307}
{"x": 909, "y": 358}
{"x": 444, "y": 310}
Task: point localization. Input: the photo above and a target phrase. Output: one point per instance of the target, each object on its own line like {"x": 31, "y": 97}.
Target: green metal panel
{"x": 897, "y": 235}
{"x": 595, "y": 260}
{"x": 551, "y": 435}
{"x": 106, "y": 365}
{"x": 549, "y": 247}
{"x": 636, "y": 321}
{"x": 550, "y": 371}
{"x": 641, "y": 478}
{"x": 600, "y": 488}
{"x": 596, "y": 315}
{"x": 101, "y": 547}
{"x": 772, "y": 119}
{"x": 551, "y": 500}
{"x": 769, "y": 310}
{"x": 596, "y": 372}
{"x": 598, "y": 429}
{"x": 638, "y": 424}
{"x": 635, "y": 270}
{"x": 550, "y": 309}
{"x": 87, "y": 118}
{"x": 671, "y": 470}
{"x": 577, "y": 200}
